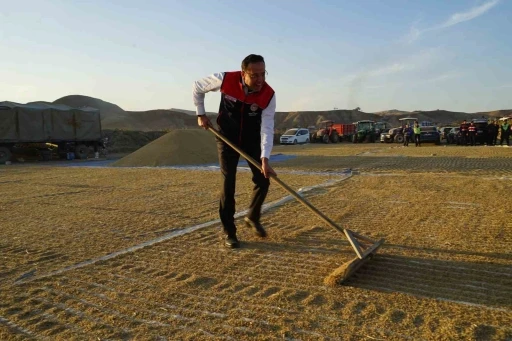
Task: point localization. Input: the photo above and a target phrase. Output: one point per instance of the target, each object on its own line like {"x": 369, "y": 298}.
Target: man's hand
{"x": 266, "y": 169}
{"x": 204, "y": 122}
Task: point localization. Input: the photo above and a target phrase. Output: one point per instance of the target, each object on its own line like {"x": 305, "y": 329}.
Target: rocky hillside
{"x": 114, "y": 117}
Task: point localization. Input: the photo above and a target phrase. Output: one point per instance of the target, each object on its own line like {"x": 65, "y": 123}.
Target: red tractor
{"x": 326, "y": 133}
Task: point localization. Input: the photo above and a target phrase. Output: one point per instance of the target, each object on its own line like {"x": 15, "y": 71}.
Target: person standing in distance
{"x": 246, "y": 119}
{"x": 417, "y": 134}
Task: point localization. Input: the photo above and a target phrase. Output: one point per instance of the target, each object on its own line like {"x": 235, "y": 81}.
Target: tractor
{"x": 326, "y": 133}
{"x": 365, "y": 131}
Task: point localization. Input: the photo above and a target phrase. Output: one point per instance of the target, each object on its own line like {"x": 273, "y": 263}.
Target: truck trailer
{"x": 71, "y": 130}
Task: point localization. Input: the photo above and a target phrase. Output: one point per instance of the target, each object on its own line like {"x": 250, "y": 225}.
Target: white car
{"x": 295, "y": 135}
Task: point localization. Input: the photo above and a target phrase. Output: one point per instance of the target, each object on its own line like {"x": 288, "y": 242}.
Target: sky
{"x": 320, "y": 55}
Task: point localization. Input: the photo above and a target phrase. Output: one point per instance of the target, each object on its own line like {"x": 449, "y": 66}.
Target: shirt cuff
{"x": 200, "y": 110}
{"x": 265, "y": 153}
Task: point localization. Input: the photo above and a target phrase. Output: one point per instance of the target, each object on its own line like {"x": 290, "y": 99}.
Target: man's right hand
{"x": 204, "y": 122}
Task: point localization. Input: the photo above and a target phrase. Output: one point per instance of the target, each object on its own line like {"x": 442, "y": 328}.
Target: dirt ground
{"x": 120, "y": 253}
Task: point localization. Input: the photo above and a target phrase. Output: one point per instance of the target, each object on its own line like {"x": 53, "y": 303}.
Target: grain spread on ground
{"x": 101, "y": 253}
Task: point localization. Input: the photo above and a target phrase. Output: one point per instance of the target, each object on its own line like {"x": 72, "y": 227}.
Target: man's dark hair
{"x": 252, "y": 58}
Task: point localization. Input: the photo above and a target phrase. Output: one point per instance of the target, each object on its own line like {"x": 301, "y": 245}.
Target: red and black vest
{"x": 239, "y": 113}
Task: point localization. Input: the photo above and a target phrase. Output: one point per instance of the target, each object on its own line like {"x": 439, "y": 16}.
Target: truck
{"x": 345, "y": 131}
{"x": 49, "y": 127}
{"x": 331, "y": 132}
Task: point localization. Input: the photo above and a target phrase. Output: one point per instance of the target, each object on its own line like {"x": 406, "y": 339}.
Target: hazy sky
{"x": 378, "y": 55}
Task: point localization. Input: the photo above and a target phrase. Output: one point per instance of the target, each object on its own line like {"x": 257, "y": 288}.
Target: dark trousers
{"x": 495, "y": 139}
{"x": 417, "y": 139}
{"x": 505, "y": 137}
{"x": 464, "y": 138}
{"x": 228, "y": 159}
{"x": 406, "y": 140}
{"x": 490, "y": 138}
{"x": 472, "y": 138}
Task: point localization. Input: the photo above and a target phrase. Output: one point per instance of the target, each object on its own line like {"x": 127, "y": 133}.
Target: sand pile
{"x": 178, "y": 147}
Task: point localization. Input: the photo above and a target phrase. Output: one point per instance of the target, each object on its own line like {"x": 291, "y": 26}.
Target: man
{"x": 491, "y": 131}
{"x": 407, "y": 135}
{"x": 246, "y": 118}
{"x": 417, "y": 134}
{"x": 464, "y": 133}
{"x": 505, "y": 133}
{"x": 472, "y": 133}
{"x": 496, "y": 132}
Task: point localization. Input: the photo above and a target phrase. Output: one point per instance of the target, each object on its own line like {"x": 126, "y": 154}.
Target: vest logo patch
{"x": 254, "y": 107}
{"x": 232, "y": 99}
{"x": 253, "y": 113}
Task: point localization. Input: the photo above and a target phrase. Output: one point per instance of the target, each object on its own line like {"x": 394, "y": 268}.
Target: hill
{"x": 114, "y": 117}
{"x": 109, "y": 112}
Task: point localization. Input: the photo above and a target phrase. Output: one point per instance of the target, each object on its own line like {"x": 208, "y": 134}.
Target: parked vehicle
{"x": 326, "y": 133}
{"x": 430, "y": 134}
{"x": 381, "y": 127}
{"x": 49, "y": 126}
{"x": 453, "y": 136}
{"x": 295, "y": 135}
{"x": 345, "y": 131}
{"x": 443, "y": 131}
{"x": 481, "y": 130}
{"x": 365, "y": 131}
{"x": 396, "y": 134}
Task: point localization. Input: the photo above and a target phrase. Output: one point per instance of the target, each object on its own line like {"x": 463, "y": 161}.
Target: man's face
{"x": 254, "y": 76}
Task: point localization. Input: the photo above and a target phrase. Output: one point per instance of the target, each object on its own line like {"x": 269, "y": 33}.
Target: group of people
{"x": 469, "y": 133}
{"x": 412, "y": 132}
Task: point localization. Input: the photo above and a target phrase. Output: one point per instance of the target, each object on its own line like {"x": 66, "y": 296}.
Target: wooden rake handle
{"x": 281, "y": 183}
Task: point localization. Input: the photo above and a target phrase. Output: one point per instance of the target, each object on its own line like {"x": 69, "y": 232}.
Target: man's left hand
{"x": 266, "y": 169}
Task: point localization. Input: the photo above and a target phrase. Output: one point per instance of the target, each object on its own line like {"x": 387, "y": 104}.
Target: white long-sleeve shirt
{"x": 213, "y": 83}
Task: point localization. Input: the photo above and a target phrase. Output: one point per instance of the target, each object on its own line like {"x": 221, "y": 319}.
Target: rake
{"x": 364, "y": 247}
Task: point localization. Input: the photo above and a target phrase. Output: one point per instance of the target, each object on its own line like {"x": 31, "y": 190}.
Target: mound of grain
{"x": 178, "y": 147}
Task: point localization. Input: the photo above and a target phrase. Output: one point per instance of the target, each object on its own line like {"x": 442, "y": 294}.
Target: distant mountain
{"x": 114, "y": 117}
{"x": 393, "y": 112}
{"x": 107, "y": 109}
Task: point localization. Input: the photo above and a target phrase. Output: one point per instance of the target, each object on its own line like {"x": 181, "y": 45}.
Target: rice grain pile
{"x": 178, "y": 147}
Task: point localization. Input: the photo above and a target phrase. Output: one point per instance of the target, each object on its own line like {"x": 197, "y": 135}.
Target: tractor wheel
{"x": 334, "y": 138}
{"x": 5, "y": 154}
{"x": 325, "y": 138}
{"x": 399, "y": 139}
{"x": 81, "y": 151}
{"x": 354, "y": 138}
